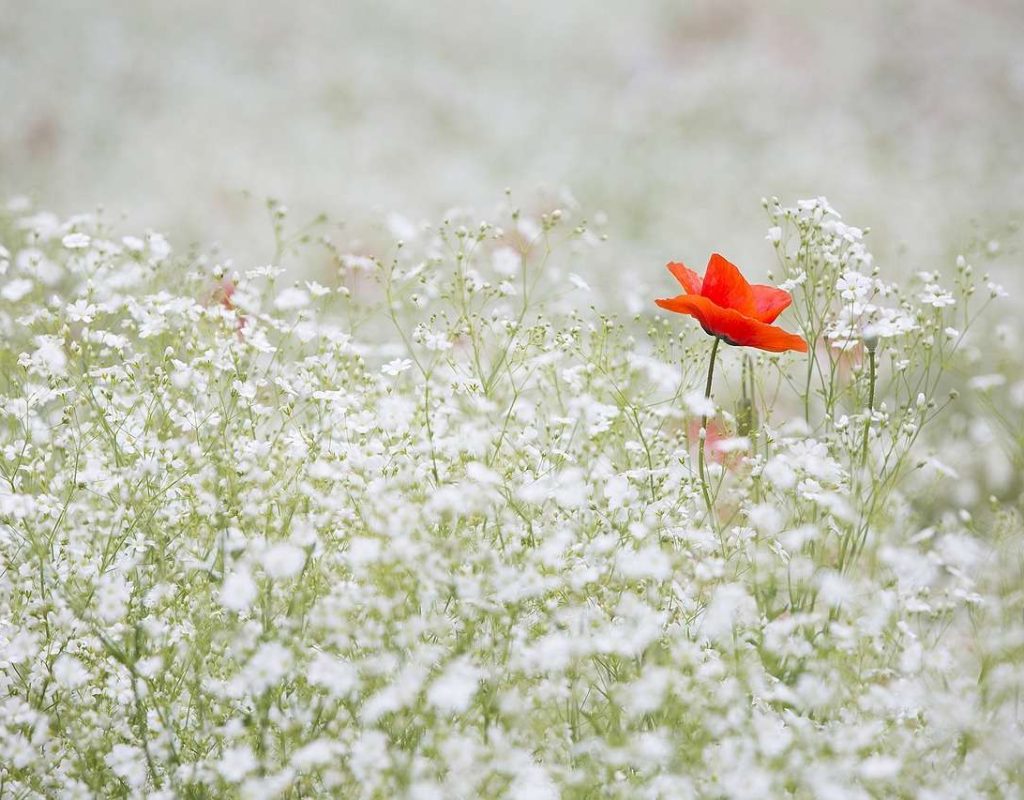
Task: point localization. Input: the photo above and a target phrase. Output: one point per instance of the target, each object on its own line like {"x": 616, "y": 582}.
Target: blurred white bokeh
{"x": 674, "y": 118}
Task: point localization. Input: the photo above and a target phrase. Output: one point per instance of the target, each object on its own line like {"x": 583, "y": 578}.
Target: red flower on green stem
{"x": 731, "y": 309}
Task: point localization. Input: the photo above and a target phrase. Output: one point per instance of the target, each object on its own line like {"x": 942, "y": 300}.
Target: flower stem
{"x": 871, "y": 405}
{"x": 704, "y": 432}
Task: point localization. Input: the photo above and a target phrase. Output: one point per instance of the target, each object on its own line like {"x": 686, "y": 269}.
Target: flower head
{"x": 732, "y": 309}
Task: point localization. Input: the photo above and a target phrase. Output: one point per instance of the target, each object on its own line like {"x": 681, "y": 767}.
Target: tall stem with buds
{"x": 704, "y": 432}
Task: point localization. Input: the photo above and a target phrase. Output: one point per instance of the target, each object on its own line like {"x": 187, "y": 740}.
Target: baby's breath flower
{"x": 396, "y": 366}
{"x": 291, "y": 299}
{"x": 15, "y": 290}
{"x": 244, "y": 554}
{"x": 76, "y": 241}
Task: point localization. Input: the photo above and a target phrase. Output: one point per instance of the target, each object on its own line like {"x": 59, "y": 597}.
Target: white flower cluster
{"x": 432, "y": 528}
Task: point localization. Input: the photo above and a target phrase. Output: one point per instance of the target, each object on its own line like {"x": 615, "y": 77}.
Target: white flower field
{"x": 423, "y": 497}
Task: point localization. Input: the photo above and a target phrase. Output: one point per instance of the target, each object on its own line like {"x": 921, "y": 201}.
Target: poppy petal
{"x": 733, "y": 326}
{"x": 725, "y": 286}
{"x": 687, "y": 278}
{"x": 769, "y": 302}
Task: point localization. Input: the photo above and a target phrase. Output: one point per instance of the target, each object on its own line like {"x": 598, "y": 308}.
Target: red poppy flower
{"x": 728, "y": 307}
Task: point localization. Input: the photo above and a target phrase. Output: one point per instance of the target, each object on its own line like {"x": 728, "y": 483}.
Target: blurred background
{"x": 673, "y": 118}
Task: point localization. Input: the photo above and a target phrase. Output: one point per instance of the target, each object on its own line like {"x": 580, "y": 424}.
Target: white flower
{"x": 733, "y": 444}
{"x": 69, "y": 672}
{"x": 401, "y": 692}
{"x": 766, "y": 518}
{"x": 24, "y": 644}
{"x": 880, "y": 768}
{"x": 986, "y": 383}
{"x": 833, "y": 588}
{"x": 158, "y": 247}
{"x": 337, "y": 676}
{"x": 618, "y": 492}
{"x": 790, "y": 284}
{"x": 730, "y": 607}
{"x": 532, "y": 782}
{"x": 236, "y": 763}
{"x": 363, "y": 550}
{"x": 16, "y": 289}
{"x": 291, "y": 299}
{"x": 853, "y": 285}
{"x": 128, "y": 762}
{"x": 315, "y": 754}
{"x": 112, "y": 597}
{"x": 80, "y": 311}
{"x": 149, "y": 667}
{"x": 996, "y": 290}
{"x": 506, "y": 261}
{"x": 49, "y": 358}
{"x": 266, "y": 271}
{"x": 133, "y": 244}
{"x": 246, "y": 390}
{"x": 479, "y": 473}
{"x": 268, "y": 665}
{"x": 528, "y": 229}
{"x": 935, "y": 296}
{"x": 1017, "y": 394}
{"x": 238, "y": 590}
{"x": 454, "y": 689}
{"x": 436, "y": 341}
{"x": 353, "y": 261}
{"x": 578, "y": 282}
{"x": 283, "y": 560}
{"x": 425, "y": 790}
{"x": 396, "y": 366}
{"x": 600, "y": 416}
{"x": 15, "y": 505}
{"x": 649, "y": 562}
{"x": 698, "y": 404}
{"x": 317, "y": 289}
{"x": 646, "y": 694}
{"x": 401, "y": 228}
{"x": 76, "y": 241}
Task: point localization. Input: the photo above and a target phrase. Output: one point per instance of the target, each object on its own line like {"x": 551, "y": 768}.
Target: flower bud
{"x": 870, "y": 338}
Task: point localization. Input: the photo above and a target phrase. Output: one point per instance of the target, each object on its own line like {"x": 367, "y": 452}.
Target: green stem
{"x": 704, "y": 431}
{"x": 871, "y": 405}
